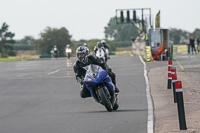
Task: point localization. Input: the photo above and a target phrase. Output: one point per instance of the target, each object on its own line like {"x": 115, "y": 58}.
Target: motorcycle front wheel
{"x": 106, "y": 102}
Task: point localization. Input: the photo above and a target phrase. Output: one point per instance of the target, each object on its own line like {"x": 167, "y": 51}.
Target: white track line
{"x": 150, "y": 123}
{"x": 54, "y": 72}
{"x": 180, "y": 65}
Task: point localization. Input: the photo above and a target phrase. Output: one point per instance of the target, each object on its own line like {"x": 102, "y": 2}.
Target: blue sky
{"x": 86, "y": 19}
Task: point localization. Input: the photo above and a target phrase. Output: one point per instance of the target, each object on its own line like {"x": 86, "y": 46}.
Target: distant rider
{"x": 106, "y": 47}
{"x": 105, "y": 51}
{"x": 87, "y": 48}
{"x": 104, "y": 44}
{"x": 98, "y": 46}
{"x": 84, "y": 60}
{"x": 55, "y": 51}
{"x": 68, "y": 50}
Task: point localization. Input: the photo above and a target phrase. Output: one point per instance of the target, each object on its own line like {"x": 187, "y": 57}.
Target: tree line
{"x": 117, "y": 35}
{"x": 179, "y": 36}
{"x": 6, "y": 41}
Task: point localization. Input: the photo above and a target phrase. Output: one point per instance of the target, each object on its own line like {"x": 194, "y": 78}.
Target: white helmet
{"x": 103, "y": 41}
{"x": 67, "y": 45}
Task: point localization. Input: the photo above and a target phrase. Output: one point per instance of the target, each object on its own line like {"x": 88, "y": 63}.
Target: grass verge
{"x": 19, "y": 58}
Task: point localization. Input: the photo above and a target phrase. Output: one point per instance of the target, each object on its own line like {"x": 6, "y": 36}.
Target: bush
{"x": 23, "y": 47}
{"x": 45, "y": 56}
{"x": 123, "y": 43}
{"x": 12, "y": 53}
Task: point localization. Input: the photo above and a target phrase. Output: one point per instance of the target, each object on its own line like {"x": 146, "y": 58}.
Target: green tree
{"x": 196, "y": 33}
{"x": 26, "y": 43}
{"x": 53, "y": 36}
{"x": 120, "y": 32}
{"x": 178, "y": 36}
{"x": 176, "y": 39}
{"x": 27, "y": 40}
{"x": 6, "y": 41}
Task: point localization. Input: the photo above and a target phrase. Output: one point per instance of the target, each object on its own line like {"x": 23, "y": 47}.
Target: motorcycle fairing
{"x": 95, "y": 76}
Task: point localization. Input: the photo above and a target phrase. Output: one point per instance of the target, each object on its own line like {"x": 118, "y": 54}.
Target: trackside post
{"x": 174, "y": 79}
{"x": 180, "y": 105}
{"x": 169, "y": 74}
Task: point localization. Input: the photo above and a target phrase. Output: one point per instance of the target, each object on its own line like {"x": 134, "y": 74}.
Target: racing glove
{"x": 79, "y": 80}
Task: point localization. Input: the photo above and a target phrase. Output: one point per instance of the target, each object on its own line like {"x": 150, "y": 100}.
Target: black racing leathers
{"x": 80, "y": 72}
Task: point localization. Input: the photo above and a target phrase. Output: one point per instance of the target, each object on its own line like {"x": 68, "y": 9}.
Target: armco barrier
{"x": 174, "y": 52}
{"x": 181, "y": 49}
{"x": 123, "y": 52}
{"x": 45, "y": 56}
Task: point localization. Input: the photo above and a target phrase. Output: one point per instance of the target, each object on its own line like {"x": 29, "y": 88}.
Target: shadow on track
{"x": 117, "y": 111}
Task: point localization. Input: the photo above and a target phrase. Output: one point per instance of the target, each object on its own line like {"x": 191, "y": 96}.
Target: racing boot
{"x": 116, "y": 89}
{"x": 116, "y": 104}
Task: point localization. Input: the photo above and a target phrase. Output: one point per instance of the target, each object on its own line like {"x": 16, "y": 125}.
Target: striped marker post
{"x": 169, "y": 74}
{"x": 174, "y": 79}
{"x": 180, "y": 105}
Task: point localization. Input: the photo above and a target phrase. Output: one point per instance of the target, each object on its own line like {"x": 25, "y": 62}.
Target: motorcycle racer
{"x": 79, "y": 69}
{"x": 103, "y": 42}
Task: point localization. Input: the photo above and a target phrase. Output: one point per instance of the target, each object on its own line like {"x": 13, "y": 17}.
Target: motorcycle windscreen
{"x": 90, "y": 77}
{"x": 93, "y": 70}
{"x": 94, "y": 74}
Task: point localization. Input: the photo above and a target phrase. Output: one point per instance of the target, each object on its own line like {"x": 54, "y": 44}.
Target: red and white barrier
{"x": 174, "y": 79}
{"x": 169, "y": 74}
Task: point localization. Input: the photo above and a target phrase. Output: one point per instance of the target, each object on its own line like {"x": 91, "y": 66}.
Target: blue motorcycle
{"x": 101, "y": 87}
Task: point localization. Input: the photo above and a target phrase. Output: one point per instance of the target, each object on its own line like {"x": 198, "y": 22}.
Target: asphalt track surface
{"x": 43, "y": 97}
